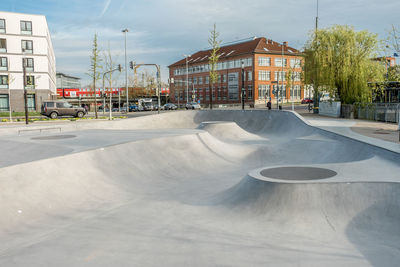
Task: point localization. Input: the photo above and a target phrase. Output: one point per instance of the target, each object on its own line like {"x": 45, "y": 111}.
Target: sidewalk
{"x": 374, "y": 129}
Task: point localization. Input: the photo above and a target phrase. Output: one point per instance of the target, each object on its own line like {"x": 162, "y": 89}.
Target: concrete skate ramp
{"x": 199, "y": 199}
{"x": 228, "y": 131}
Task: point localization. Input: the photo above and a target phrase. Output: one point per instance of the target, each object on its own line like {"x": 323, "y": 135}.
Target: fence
{"x": 387, "y": 112}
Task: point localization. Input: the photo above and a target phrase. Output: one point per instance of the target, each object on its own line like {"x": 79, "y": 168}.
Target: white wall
{"x": 43, "y": 54}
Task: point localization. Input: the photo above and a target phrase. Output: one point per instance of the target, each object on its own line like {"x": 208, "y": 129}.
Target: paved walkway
{"x": 379, "y": 130}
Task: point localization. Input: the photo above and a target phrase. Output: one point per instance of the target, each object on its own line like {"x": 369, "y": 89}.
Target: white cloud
{"x": 161, "y": 31}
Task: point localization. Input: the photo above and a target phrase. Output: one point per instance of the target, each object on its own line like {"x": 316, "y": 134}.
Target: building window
{"x": 280, "y": 75}
{"x": 264, "y": 75}
{"x": 4, "y": 103}
{"x": 3, "y": 81}
{"x": 224, "y": 78}
{"x": 3, "y": 46}
{"x": 26, "y": 27}
{"x": 296, "y": 76}
{"x": 263, "y": 91}
{"x": 194, "y": 80}
{"x": 31, "y": 102}
{"x": 250, "y": 92}
{"x": 264, "y": 61}
{"x": 28, "y": 64}
{"x": 200, "y": 80}
{"x": 207, "y": 79}
{"x": 296, "y": 91}
{"x": 3, "y": 63}
{"x": 27, "y": 46}
{"x": 295, "y": 63}
{"x": 2, "y": 26}
{"x": 278, "y": 62}
{"x": 30, "y": 82}
{"x": 249, "y": 76}
{"x": 249, "y": 62}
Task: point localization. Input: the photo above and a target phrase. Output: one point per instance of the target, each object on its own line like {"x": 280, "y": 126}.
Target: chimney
{"x": 285, "y": 44}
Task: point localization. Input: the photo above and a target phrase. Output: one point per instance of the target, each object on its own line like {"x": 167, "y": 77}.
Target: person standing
{"x": 269, "y": 104}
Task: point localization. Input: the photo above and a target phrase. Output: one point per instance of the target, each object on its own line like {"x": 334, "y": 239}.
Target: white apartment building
{"x": 25, "y": 40}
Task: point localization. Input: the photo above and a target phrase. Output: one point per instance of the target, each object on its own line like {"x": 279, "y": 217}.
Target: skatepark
{"x": 198, "y": 188}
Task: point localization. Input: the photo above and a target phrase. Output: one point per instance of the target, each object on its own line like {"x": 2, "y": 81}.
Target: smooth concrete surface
{"x": 185, "y": 189}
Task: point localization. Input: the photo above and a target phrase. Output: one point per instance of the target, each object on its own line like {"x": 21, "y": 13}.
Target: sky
{"x": 162, "y": 31}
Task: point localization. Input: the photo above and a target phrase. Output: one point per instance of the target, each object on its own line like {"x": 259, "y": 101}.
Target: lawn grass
{"x": 19, "y": 114}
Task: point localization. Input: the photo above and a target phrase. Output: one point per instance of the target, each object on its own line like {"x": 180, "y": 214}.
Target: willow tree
{"x": 213, "y": 60}
{"x": 338, "y": 60}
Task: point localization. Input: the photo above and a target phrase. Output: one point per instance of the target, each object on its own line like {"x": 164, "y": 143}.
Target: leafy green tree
{"x": 338, "y": 60}
{"x": 394, "y": 73}
{"x": 213, "y": 60}
{"x": 95, "y": 68}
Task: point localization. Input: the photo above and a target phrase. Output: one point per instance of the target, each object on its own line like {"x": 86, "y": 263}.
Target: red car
{"x": 306, "y": 101}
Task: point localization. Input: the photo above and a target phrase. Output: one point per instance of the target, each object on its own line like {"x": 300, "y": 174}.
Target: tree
{"x": 109, "y": 65}
{"x": 394, "y": 38}
{"x": 95, "y": 67}
{"x": 290, "y": 81}
{"x": 338, "y": 60}
{"x": 213, "y": 60}
{"x": 394, "y": 73}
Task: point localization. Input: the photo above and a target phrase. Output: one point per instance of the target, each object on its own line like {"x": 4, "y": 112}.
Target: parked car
{"x": 59, "y": 108}
{"x": 170, "y": 106}
{"x": 193, "y": 105}
{"x": 133, "y": 108}
{"x": 306, "y": 101}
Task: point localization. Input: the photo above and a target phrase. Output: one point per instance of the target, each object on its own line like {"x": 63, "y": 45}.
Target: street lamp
{"x": 187, "y": 78}
{"x": 243, "y": 92}
{"x": 126, "y": 72}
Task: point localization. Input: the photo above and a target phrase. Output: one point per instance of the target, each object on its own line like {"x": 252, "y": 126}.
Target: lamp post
{"x": 243, "y": 92}
{"x": 126, "y": 72}
{"x": 187, "y": 78}
{"x": 159, "y": 87}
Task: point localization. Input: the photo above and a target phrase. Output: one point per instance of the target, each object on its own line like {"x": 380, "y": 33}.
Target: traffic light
{"x": 131, "y": 64}
{"x": 119, "y": 67}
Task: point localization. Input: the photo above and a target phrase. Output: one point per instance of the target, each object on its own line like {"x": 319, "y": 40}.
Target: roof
{"x": 65, "y": 75}
{"x": 256, "y": 45}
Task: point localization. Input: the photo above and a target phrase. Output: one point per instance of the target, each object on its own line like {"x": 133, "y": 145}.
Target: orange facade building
{"x": 266, "y": 64}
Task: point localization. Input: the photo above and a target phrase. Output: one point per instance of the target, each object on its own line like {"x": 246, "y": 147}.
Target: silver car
{"x": 193, "y": 105}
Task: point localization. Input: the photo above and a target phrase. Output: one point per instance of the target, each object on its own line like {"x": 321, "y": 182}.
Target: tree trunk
{"x": 211, "y": 95}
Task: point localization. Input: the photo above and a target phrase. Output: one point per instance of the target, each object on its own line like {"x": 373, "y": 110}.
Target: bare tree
{"x": 394, "y": 38}
{"x": 213, "y": 60}
{"x": 95, "y": 67}
{"x": 109, "y": 65}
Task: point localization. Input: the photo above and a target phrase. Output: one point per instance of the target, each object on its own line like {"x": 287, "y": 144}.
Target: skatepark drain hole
{"x": 298, "y": 173}
{"x": 54, "y": 137}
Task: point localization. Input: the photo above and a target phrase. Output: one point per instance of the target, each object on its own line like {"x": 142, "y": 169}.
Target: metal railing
{"x": 387, "y": 112}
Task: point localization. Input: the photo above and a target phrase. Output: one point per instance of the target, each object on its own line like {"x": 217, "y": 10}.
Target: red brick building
{"x": 266, "y": 64}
